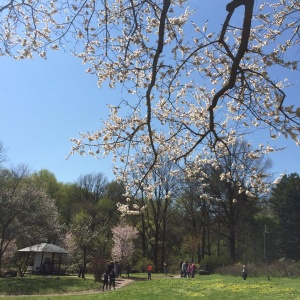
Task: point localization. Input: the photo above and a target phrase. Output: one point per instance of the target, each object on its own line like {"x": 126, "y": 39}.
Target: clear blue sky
{"x": 44, "y": 103}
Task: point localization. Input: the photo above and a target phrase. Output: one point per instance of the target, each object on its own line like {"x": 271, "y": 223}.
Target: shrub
{"x": 142, "y": 264}
{"x": 281, "y": 268}
{"x": 210, "y": 263}
{"x": 98, "y": 267}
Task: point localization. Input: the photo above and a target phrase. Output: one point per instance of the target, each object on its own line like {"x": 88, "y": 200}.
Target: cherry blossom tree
{"x": 123, "y": 246}
{"x": 192, "y": 93}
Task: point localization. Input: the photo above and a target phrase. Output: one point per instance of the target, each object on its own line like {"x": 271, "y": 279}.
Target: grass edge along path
{"x": 210, "y": 287}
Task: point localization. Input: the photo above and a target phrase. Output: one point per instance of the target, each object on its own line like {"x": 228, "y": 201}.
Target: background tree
{"x": 155, "y": 221}
{"x": 47, "y": 181}
{"x": 92, "y": 187}
{"x": 285, "y": 203}
{"x": 3, "y": 157}
{"x": 67, "y": 203}
{"x": 195, "y": 217}
{"x": 27, "y": 214}
{"x": 81, "y": 241}
{"x": 235, "y": 195}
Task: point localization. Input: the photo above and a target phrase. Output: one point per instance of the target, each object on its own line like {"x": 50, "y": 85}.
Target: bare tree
{"x": 92, "y": 187}
{"x": 234, "y": 198}
{"x": 3, "y": 157}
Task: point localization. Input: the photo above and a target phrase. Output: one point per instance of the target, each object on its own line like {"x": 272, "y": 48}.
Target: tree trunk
{"x": 232, "y": 243}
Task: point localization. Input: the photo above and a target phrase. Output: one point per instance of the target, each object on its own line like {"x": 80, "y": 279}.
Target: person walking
{"x": 112, "y": 279}
{"x": 149, "y": 270}
{"x": 105, "y": 280}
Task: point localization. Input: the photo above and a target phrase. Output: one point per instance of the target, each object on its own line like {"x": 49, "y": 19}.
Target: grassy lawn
{"x": 160, "y": 288}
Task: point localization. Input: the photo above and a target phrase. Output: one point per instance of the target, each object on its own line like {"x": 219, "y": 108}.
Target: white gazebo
{"x": 44, "y": 255}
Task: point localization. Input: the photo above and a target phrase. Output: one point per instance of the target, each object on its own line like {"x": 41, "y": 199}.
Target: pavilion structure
{"x": 47, "y": 258}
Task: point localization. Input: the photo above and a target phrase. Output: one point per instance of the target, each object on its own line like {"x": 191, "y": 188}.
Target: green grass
{"x": 210, "y": 287}
{"x": 45, "y": 285}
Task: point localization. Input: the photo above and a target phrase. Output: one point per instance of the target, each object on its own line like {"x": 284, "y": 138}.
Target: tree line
{"x": 212, "y": 220}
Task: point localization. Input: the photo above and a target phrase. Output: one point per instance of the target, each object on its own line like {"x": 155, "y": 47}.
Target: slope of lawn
{"x": 159, "y": 288}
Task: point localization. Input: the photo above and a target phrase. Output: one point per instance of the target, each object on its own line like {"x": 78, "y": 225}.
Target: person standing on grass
{"x": 105, "y": 280}
{"x": 112, "y": 279}
{"x": 183, "y": 269}
{"x": 128, "y": 270}
{"x": 180, "y": 268}
{"x": 165, "y": 268}
{"x": 193, "y": 270}
{"x": 188, "y": 270}
{"x": 149, "y": 270}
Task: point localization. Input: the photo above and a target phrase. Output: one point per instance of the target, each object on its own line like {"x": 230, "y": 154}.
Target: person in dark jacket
{"x": 128, "y": 270}
{"x": 105, "y": 280}
{"x": 112, "y": 279}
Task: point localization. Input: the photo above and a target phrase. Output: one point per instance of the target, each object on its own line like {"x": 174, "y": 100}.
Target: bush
{"x": 98, "y": 267}
{"x": 134, "y": 271}
{"x": 280, "y": 268}
{"x": 210, "y": 263}
{"x": 142, "y": 264}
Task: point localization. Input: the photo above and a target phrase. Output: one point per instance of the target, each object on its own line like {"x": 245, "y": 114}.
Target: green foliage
{"x": 27, "y": 214}
{"x": 212, "y": 262}
{"x": 285, "y": 202}
{"x": 98, "y": 266}
{"x": 142, "y": 264}
{"x": 47, "y": 181}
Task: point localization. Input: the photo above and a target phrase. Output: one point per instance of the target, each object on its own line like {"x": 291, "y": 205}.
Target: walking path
{"x": 120, "y": 282}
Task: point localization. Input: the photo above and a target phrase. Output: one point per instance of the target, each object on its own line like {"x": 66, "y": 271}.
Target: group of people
{"x": 109, "y": 279}
{"x": 112, "y": 271}
{"x": 187, "y": 269}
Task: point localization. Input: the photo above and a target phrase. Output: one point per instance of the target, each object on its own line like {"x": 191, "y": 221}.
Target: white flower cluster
{"x": 192, "y": 93}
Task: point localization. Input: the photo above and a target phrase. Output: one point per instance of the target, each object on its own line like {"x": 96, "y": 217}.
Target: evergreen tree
{"x": 285, "y": 202}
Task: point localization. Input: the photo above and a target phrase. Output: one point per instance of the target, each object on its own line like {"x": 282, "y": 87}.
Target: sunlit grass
{"x": 168, "y": 288}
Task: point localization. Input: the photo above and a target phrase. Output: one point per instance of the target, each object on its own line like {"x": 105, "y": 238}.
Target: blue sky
{"x": 45, "y": 102}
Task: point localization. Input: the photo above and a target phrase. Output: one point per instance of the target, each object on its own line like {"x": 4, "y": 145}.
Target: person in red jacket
{"x": 149, "y": 270}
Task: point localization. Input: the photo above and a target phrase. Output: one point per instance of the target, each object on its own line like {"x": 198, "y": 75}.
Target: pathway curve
{"x": 120, "y": 282}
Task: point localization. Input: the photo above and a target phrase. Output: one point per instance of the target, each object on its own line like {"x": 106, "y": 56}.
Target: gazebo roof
{"x": 44, "y": 247}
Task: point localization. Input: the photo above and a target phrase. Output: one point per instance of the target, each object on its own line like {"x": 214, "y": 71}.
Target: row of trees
{"x": 200, "y": 220}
